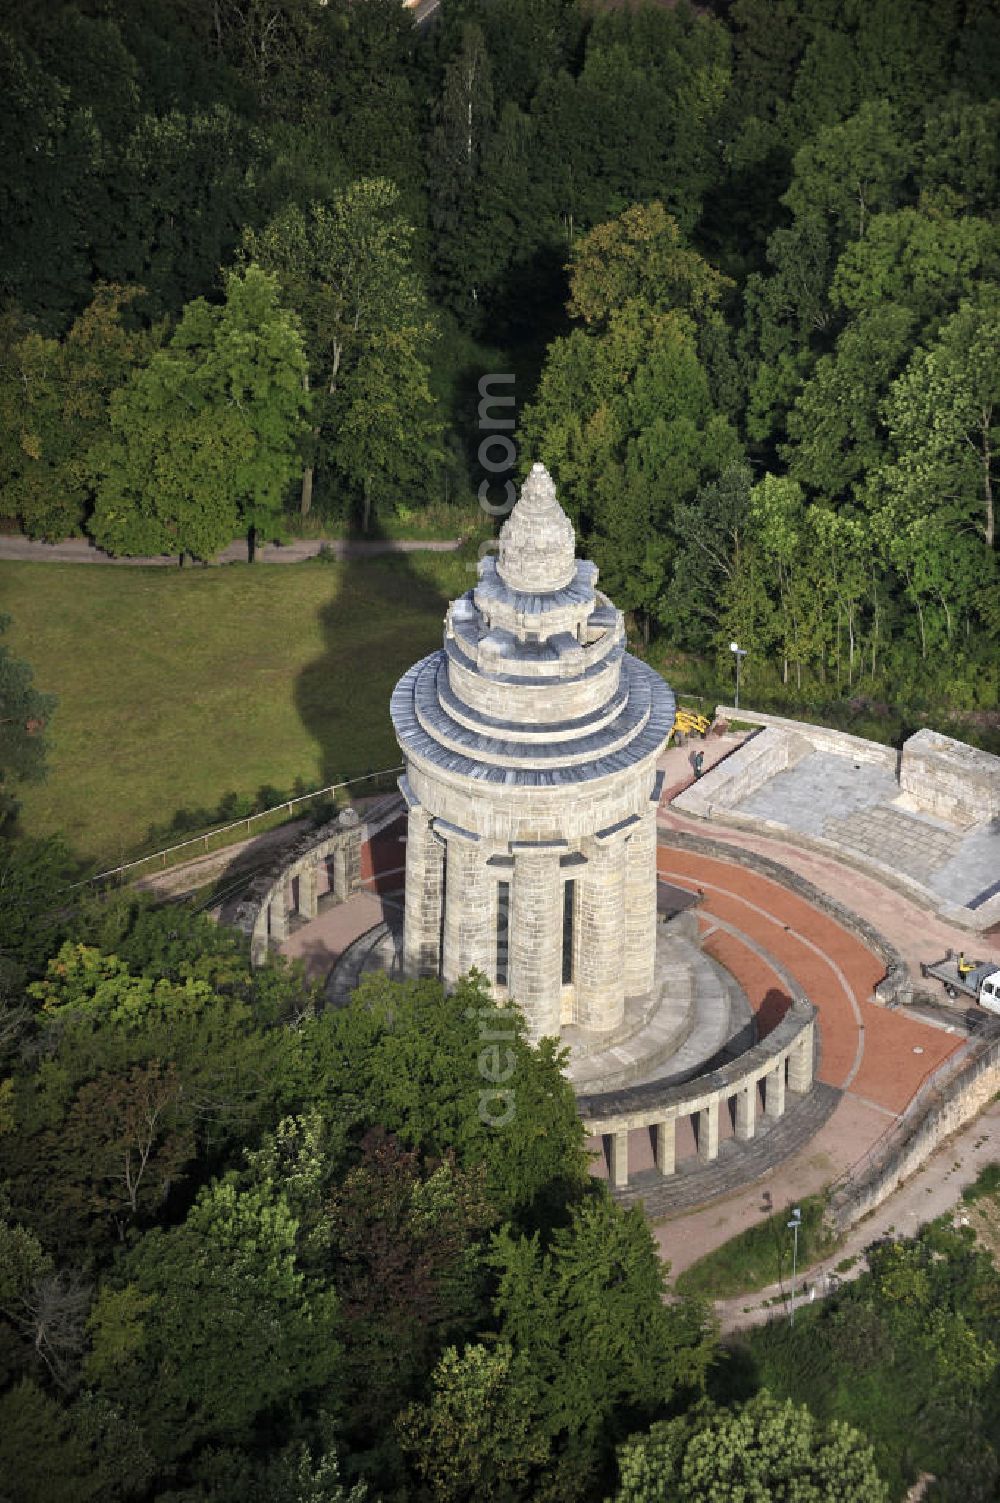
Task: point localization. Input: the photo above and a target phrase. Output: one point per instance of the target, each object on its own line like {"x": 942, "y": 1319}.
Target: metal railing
{"x": 238, "y": 824}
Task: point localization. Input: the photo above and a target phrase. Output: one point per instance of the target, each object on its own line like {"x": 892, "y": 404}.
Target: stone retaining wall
{"x": 954, "y": 1097}
{"x": 819, "y": 737}
{"x": 956, "y": 782}
{"x": 766, "y": 753}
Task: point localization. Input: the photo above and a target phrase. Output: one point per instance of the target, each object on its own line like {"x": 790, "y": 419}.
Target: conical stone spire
{"x": 537, "y": 542}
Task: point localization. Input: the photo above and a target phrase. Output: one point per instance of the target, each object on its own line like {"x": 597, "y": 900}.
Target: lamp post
{"x": 793, "y": 1227}
{"x": 737, "y": 652}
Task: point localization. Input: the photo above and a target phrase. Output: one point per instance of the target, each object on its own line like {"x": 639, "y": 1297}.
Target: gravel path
{"x": 82, "y": 551}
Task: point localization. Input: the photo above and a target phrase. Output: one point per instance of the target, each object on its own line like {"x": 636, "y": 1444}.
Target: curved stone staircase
{"x": 696, "y": 1015}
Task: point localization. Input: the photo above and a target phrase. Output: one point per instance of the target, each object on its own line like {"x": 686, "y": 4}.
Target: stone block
{"x": 947, "y": 778}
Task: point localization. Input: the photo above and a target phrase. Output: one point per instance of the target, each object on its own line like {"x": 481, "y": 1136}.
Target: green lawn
{"x": 178, "y": 686}
{"x": 759, "y": 1256}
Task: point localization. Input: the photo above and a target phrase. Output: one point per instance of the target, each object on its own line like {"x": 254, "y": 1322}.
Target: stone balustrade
{"x": 327, "y": 860}
{"x": 782, "y": 1062}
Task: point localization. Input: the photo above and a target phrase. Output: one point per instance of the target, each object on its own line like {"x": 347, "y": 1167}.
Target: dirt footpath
{"x": 83, "y": 551}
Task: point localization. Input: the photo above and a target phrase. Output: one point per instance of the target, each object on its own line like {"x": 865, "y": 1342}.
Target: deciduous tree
{"x": 473, "y": 1437}
{"x": 590, "y": 1332}
{"x": 760, "y": 1451}
{"x": 55, "y": 398}
{"x": 234, "y": 1329}
{"x": 206, "y": 436}
{"x": 347, "y": 270}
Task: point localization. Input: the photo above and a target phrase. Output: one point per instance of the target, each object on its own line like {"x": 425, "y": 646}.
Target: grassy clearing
{"x": 759, "y": 1256}
{"x": 985, "y": 1185}
{"x": 178, "y": 687}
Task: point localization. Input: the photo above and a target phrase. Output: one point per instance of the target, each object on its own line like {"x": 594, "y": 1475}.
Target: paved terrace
{"x": 925, "y": 820}
{"x": 767, "y": 935}
{"x": 860, "y": 807}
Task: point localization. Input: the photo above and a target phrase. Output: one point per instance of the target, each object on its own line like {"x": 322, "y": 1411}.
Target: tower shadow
{"x": 385, "y": 609}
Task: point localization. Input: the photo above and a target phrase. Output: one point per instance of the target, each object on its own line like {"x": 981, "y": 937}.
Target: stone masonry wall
{"x": 745, "y": 770}
{"x": 955, "y": 1100}
{"x": 569, "y": 812}
{"x": 819, "y": 737}
{"x": 947, "y": 778}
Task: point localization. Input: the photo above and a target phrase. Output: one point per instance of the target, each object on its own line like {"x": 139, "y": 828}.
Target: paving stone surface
{"x": 859, "y": 806}
{"x": 915, "y": 845}
{"x": 973, "y": 871}
{"x": 819, "y": 788}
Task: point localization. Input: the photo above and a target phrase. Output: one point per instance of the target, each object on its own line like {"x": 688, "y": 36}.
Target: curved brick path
{"x": 866, "y": 1049}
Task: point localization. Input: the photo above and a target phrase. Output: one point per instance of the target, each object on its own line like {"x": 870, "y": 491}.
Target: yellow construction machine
{"x": 689, "y": 723}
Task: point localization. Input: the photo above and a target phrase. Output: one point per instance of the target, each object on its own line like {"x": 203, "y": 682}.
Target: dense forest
{"x": 743, "y": 260}
{"x": 256, "y": 256}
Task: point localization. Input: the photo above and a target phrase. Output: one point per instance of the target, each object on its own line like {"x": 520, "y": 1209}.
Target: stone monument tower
{"x": 531, "y": 741}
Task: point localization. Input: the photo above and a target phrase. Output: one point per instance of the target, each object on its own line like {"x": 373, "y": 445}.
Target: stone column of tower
{"x": 530, "y": 740}
{"x": 600, "y": 980}
{"x": 469, "y": 919}
{"x": 640, "y": 906}
{"x": 536, "y": 937}
{"x": 424, "y": 896}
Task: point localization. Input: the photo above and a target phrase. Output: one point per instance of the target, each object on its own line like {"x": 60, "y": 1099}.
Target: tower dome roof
{"x": 534, "y": 687}
{"x": 537, "y": 542}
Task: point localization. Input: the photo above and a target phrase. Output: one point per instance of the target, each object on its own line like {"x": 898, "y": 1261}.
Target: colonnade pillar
{"x": 277, "y": 918}
{"x": 424, "y": 894}
{"x": 746, "y": 1113}
{"x": 535, "y": 945}
{"x": 640, "y": 907}
{"x": 800, "y": 1062}
{"x": 774, "y": 1091}
{"x": 469, "y": 911}
{"x": 308, "y": 900}
{"x": 708, "y": 1132}
{"x": 600, "y": 974}
{"x": 340, "y": 879}
{"x": 618, "y": 1166}
{"x": 666, "y": 1145}
{"x": 259, "y": 942}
